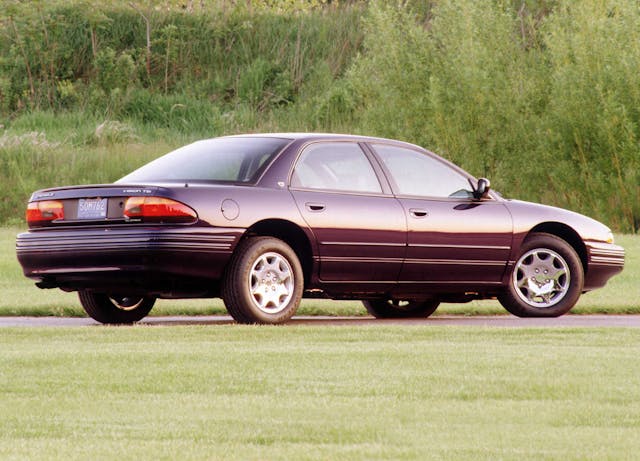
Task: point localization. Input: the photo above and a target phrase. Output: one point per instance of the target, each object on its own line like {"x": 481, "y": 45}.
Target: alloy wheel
{"x": 271, "y": 283}
{"x": 541, "y": 278}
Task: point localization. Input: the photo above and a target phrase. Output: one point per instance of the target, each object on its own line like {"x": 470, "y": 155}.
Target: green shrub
{"x": 263, "y": 84}
{"x": 113, "y": 72}
{"x": 594, "y": 109}
{"x": 541, "y": 96}
{"x": 545, "y": 101}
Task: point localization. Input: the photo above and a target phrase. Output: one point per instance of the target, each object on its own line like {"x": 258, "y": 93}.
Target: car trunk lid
{"x": 99, "y": 204}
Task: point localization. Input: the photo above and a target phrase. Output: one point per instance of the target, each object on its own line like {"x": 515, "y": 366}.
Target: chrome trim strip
{"x": 613, "y": 253}
{"x": 422, "y": 282}
{"x": 457, "y": 262}
{"x": 470, "y": 247}
{"x": 606, "y": 255}
{"x": 342, "y": 259}
{"x": 451, "y": 282}
{"x": 372, "y": 244}
{"x": 120, "y": 247}
{"x": 119, "y": 241}
{"x": 466, "y": 262}
{"x": 607, "y": 261}
{"x": 360, "y": 282}
{"x": 80, "y": 270}
{"x": 419, "y": 245}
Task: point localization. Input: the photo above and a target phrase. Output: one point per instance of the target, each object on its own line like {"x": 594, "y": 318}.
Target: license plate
{"x": 92, "y": 208}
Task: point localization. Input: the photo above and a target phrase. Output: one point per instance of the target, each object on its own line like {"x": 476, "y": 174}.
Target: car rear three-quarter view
{"x": 264, "y": 220}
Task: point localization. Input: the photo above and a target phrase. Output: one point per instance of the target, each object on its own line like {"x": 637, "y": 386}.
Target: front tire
{"x": 115, "y": 309}
{"x": 264, "y": 282}
{"x": 394, "y": 309}
{"x": 547, "y": 279}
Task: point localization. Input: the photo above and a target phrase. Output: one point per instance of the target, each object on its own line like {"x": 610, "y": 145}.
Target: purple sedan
{"x": 263, "y": 220}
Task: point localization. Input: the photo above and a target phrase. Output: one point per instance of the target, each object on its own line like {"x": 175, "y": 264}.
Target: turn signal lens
{"x": 158, "y": 209}
{"x": 40, "y": 213}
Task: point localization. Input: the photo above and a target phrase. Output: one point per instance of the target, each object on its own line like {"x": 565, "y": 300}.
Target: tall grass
{"x": 68, "y": 150}
{"x": 541, "y": 96}
{"x": 97, "y": 58}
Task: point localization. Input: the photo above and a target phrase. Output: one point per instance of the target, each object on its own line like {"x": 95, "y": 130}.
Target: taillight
{"x": 40, "y": 213}
{"x": 158, "y": 209}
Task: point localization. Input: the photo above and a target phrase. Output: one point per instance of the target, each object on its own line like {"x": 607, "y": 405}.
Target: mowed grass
{"x": 21, "y": 297}
{"x": 317, "y": 393}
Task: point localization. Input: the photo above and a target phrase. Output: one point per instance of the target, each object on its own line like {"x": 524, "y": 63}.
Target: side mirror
{"x": 482, "y": 189}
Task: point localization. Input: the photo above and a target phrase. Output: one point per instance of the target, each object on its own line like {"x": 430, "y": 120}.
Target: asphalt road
{"x": 499, "y": 321}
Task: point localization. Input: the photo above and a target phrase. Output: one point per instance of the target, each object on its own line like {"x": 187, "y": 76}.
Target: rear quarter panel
{"x": 238, "y": 207}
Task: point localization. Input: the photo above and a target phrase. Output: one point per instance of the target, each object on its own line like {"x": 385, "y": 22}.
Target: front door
{"x": 453, "y": 239}
{"x": 456, "y": 242}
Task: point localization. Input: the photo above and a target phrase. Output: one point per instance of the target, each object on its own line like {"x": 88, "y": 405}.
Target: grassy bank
{"x": 48, "y": 149}
{"x": 306, "y": 393}
{"x": 540, "y": 96}
{"x": 21, "y": 297}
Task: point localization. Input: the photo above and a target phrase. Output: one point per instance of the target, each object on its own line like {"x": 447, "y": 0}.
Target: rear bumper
{"x": 141, "y": 257}
{"x": 604, "y": 261}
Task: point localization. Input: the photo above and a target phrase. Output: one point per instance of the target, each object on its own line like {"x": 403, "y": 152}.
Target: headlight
{"x": 610, "y": 237}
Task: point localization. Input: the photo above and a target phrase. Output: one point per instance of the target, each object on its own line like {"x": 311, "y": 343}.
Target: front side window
{"x": 418, "y": 174}
{"x": 236, "y": 160}
{"x": 336, "y": 166}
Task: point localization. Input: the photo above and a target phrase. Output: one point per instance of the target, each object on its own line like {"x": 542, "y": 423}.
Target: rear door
{"x": 360, "y": 228}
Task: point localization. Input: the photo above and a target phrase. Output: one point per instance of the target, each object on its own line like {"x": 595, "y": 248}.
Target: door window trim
{"x": 381, "y": 177}
{"x": 394, "y": 186}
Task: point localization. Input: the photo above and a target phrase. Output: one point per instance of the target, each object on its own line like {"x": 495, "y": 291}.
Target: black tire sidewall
{"x": 100, "y": 307}
{"x": 383, "y": 309}
{"x": 514, "y": 304}
{"x": 236, "y": 294}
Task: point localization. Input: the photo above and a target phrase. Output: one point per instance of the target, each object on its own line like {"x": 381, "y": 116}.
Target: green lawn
{"x": 21, "y": 297}
{"x": 318, "y": 393}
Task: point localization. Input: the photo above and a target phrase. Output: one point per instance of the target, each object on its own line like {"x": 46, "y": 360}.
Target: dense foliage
{"x": 541, "y": 96}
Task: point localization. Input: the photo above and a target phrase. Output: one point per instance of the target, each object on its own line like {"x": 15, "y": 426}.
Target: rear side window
{"x": 335, "y": 166}
{"x": 237, "y": 160}
{"x": 418, "y": 174}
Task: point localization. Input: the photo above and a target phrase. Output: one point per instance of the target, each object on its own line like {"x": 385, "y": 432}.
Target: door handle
{"x": 315, "y": 207}
{"x": 418, "y": 213}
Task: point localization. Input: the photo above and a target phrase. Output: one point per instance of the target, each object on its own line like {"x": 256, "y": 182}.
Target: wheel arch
{"x": 289, "y": 233}
{"x": 567, "y": 234}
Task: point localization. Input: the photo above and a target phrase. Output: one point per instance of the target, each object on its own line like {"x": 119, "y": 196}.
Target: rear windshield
{"x": 237, "y": 160}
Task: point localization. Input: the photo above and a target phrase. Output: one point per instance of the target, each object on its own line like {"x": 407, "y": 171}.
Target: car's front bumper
{"x": 604, "y": 260}
{"x": 140, "y": 258}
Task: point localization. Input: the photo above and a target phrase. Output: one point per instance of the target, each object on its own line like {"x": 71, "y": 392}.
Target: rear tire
{"x": 394, "y": 309}
{"x": 547, "y": 279}
{"x": 115, "y": 309}
{"x": 264, "y": 282}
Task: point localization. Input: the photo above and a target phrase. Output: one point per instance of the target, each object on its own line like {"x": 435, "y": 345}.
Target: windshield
{"x": 238, "y": 160}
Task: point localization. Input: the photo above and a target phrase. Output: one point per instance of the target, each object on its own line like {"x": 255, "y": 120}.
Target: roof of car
{"x": 316, "y": 136}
